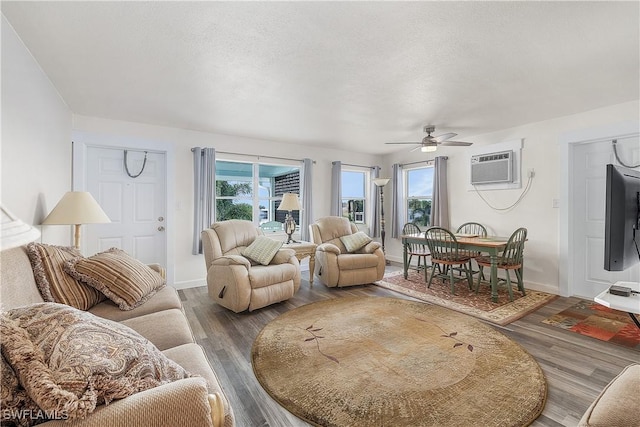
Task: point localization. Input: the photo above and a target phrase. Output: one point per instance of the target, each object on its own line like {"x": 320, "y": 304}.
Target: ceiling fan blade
{"x": 457, "y": 143}
{"x": 444, "y": 137}
{"x": 417, "y": 142}
{"x": 416, "y": 148}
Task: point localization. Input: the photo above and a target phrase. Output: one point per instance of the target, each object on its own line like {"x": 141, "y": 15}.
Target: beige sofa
{"x": 192, "y": 401}
{"x": 237, "y": 283}
{"x": 618, "y": 405}
{"x": 334, "y": 265}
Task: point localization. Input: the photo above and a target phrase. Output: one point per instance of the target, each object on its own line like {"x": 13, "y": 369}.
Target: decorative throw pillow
{"x": 16, "y": 404}
{"x": 69, "y": 361}
{"x": 122, "y": 278}
{"x": 262, "y": 250}
{"x": 54, "y": 284}
{"x": 355, "y": 241}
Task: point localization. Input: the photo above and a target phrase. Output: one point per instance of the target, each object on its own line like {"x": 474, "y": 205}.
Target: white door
{"x": 588, "y": 197}
{"x": 136, "y": 206}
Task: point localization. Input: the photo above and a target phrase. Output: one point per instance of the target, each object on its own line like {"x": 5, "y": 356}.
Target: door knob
{"x": 161, "y": 228}
{"x": 160, "y": 218}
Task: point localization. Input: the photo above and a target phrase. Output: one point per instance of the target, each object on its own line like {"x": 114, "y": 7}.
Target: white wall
{"x": 541, "y": 152}
{"x": 190, "y": 269}
{"x": 36, "y": 139}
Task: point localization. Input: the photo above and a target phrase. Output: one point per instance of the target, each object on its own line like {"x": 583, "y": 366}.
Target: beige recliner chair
{"x": 334, "y": 265}
{"x": 239, "y": 284}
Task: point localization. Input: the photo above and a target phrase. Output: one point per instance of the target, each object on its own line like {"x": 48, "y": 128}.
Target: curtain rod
{"x": 423, "y": 161}
{"x": 357, "y": 166}
{"x": 258, "y": 156}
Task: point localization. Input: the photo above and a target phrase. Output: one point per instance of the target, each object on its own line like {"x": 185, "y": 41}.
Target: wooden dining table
{"x": 491, "y": 245}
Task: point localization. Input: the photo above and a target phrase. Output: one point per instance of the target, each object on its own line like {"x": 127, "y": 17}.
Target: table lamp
{"x": 76, "y": 208}
{"x": 380, "y": 183}
{"x": 290, "y": 202}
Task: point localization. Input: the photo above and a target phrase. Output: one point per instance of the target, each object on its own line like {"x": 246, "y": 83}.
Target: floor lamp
{"x": 380, "y": 183}
{"x": 76, "y": 208}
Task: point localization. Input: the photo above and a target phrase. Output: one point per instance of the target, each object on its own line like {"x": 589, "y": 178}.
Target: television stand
{"x": 630, "y": 304}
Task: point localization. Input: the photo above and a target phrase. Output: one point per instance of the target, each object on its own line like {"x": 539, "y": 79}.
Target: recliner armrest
{"x": 232, "y": 260}
{"x": 370, "y": 248}
{"x": 329, "y": 247}
{"x": 283, "y": 256}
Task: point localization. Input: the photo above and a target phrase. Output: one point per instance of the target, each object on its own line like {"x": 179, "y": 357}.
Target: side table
{"x": 630, "y": 304}
{"x": 303, "y": 250}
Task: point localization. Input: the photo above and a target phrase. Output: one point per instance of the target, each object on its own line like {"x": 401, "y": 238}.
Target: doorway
{"x": 584, "y": 155}
{"x": 135, "y": 196}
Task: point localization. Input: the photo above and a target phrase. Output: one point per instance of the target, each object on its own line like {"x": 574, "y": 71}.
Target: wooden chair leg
{"x": 509, "y": 285}
{"x": 453, "y": 285}
{"x": 520, "y": 282}
{"x": 469, "y": 276}
{"x": 480, "y": 276}
{"x": 433, "y": 270}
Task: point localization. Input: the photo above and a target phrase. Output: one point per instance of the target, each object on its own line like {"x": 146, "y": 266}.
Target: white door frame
{"x": 567, "y": 142}
{"x": 82, "y": 140}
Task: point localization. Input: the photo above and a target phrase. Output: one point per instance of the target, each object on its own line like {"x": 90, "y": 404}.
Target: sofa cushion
{"x": 165, "y": 299}
{"x": 262, "y": 250}
{"x": 355, "y": 241}
{"x": 18, "y": 286}
{"x": 122, "y": 278}
{"x": 70, "y": 360}
{"x": 54, "y": 283}
{"x": 165, "y": 329}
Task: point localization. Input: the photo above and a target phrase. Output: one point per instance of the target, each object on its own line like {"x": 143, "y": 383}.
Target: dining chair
{"x": 510, "y": 259}
{"x": 445, "y": 252}
{"x": 420, "y": 251}
{"x": 472, "y": 229}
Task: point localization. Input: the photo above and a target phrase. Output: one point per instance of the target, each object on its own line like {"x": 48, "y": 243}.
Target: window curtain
{"x": 397, "y": 211}
{"x": 204, "y": 193}
{"x": 375, "y": 201}
{"x": 307, "y": 205}
{"x": 440, "y": 208}
{"x": 336, "y": 189}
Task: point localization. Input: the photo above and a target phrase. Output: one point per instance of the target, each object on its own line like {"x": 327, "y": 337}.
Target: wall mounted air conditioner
{"x": 492, "y": 168}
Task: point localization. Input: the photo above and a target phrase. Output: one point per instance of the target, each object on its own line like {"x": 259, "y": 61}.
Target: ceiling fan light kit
{"x": 430, "y": 143}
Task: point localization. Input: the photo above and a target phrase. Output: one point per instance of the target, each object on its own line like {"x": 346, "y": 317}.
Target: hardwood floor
{"x": 576, "y": 367}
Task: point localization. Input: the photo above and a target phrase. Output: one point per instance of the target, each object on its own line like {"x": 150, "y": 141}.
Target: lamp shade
{"x": 15, "y": 232}
{"x": 381, "y": 182}
{"x": 77, "y": 207}
{"x": 429, "y": 148}
{"x": 290, "y": 202}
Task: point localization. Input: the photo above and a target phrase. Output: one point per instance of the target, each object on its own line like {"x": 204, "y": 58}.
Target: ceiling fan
{"x": 430, "y": 143}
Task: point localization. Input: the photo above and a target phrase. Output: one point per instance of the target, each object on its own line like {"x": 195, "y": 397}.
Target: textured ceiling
{"x": 350, "y": 75}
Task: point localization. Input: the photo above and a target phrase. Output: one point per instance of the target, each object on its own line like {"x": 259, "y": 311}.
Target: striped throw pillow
{"x": 262, "y": 250}
{"x": 355, "y": 241}
{"x": 54, "y": 284}
{"x": 122, "y": 278}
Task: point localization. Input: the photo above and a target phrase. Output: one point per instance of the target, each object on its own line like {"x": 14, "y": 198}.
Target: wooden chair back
{"x": 472, "y": 228}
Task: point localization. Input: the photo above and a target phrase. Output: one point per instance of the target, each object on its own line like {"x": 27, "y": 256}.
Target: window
{"x": 419, "y": 194}
{"x": 354, "y": 197}
{"x": 252, "y": 191}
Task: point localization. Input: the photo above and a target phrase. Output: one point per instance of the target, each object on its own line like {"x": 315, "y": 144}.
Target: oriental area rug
{"x": 597, "y": 321}
{"x": 465, "y": 300}
{"x": 373, "y": 361}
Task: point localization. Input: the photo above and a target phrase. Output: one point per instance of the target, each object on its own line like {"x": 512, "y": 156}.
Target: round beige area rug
{"x": 369, "y": 361}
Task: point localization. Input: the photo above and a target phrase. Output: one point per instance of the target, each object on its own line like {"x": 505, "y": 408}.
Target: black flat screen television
{"x": 622, "y": 218}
